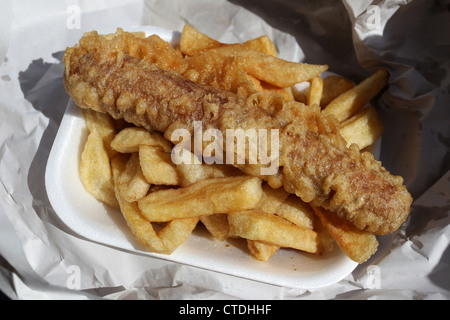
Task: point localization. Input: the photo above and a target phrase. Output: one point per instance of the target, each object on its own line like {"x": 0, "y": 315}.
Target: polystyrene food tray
{"x": 95, "y": 221}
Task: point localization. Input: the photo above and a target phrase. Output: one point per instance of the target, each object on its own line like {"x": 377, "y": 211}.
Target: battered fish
{"x": 109, "y": 75}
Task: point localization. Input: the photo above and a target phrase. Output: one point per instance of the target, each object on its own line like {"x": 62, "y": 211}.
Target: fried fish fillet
{"x": 117, "y": 76}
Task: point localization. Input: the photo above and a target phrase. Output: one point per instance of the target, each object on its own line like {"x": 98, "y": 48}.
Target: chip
{"x": 157, "y": 166}
{"x": 272, "y": 199}
{"x": 296, "y": 211}
{"x": 351, "y": 101}
{"x": 190, "y": 169}
{"x": 168, "y": 239}
{"x": 265, "y": 67}
{"x": 217, "y": 224}
{"x": 333, "y": 86}
{"x": 129, "y": 139}
{"x": 358, "y": 245}
{"x": 131, "y": 183}
{"x": 262, "y": 44}
{"x": 315, "y": 91}
{"x": 363, "y": 129}
{"x": 260, "y": 250}
{"x": 269, "y": 228}
{"x": 95, "y": 170}
{"x": 103, "y": 125}
{"x": 192, "y": 41}
{"x": 204, "y": 197}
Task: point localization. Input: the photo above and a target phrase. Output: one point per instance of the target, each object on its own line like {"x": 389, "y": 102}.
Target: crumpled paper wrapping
{"x": 42, "y": 259}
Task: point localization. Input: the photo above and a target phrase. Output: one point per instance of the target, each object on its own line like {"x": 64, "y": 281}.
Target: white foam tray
{"x": 91, "y": 219}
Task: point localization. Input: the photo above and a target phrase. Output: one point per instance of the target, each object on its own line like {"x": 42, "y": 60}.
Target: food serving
{"x": 307, "y": 182}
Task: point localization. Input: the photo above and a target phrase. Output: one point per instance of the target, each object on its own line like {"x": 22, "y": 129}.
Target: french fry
{"x": 103, "y": 125}
{"x": 333, "y": 86}
{"x": 101, "y": 122}
{"x": 193, "y": 41}
{"x": 358, "y": 245}
{"x": 289, "y": 93}
{"x": 296, "y": 211}
{"x": 269, "y": 228}
{"x": 272, "y": 199}
{"x": 214, "y": 67}
{"x": 129, "y": 139}
{"x": 131, "y": 183}
{"x": 157, "y": 166}
{"x": 262, "y": 44}
{"x": 217, "y": 224}
{"x": 95, "y": 170}
{"x": 139, "y": 226}
{"x": 192, "y": 170}
{"x": 204, "y": 197}
{"x": 261, "y": 65}
{"x": 326, "y": 238}
{"x": 260, "y": 250}
{"x": 349, "y": 102}
{"x": 363, "y": 129}
{"x": 168, "y": 238}
{"x": 315, "y": 91}
{"x": 176, "y": 232}
{"x": 265, "y": 67}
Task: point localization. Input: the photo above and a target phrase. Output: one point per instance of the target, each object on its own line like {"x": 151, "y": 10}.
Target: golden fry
{"x": 348, "y": 103}
{"x": 129, "y": 139}
{"x": 139, "y": 226}
{"x": 131, "y": 183}
{"x": 269, "y": 228}
{"x": 204, "y": 197}
{"x": 191, "y": 170}
{"x": 95, "y": 170}
{"x": 262, "y": 44}
{"x": 217, "y": 225}
{"x": 176, "y": 232}
{"x": 275, "y": 71}
{"x": 167, "y": 239}
{"x": 358, "y": 245}
{"x": 193, "y": 41}
{"x": 363, "y": 129}
{"x": 157, "y": 166}
{"x": 315, "y": 91}
{"x": 333, "y": 86}
{"x": 103, "y": 125}
{"x": 261, "y": 250}
{"x": 296, "y": 211}
{"x": 272, "y": 199}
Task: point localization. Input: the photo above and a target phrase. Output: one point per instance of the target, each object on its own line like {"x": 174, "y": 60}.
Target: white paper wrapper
{"x": 42, "y": 258}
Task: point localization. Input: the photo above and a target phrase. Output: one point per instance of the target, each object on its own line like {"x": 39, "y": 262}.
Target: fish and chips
{"x": 138, "y": 92}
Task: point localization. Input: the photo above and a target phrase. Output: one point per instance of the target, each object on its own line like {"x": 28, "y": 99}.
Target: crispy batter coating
{"x": 127, "y": 77}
